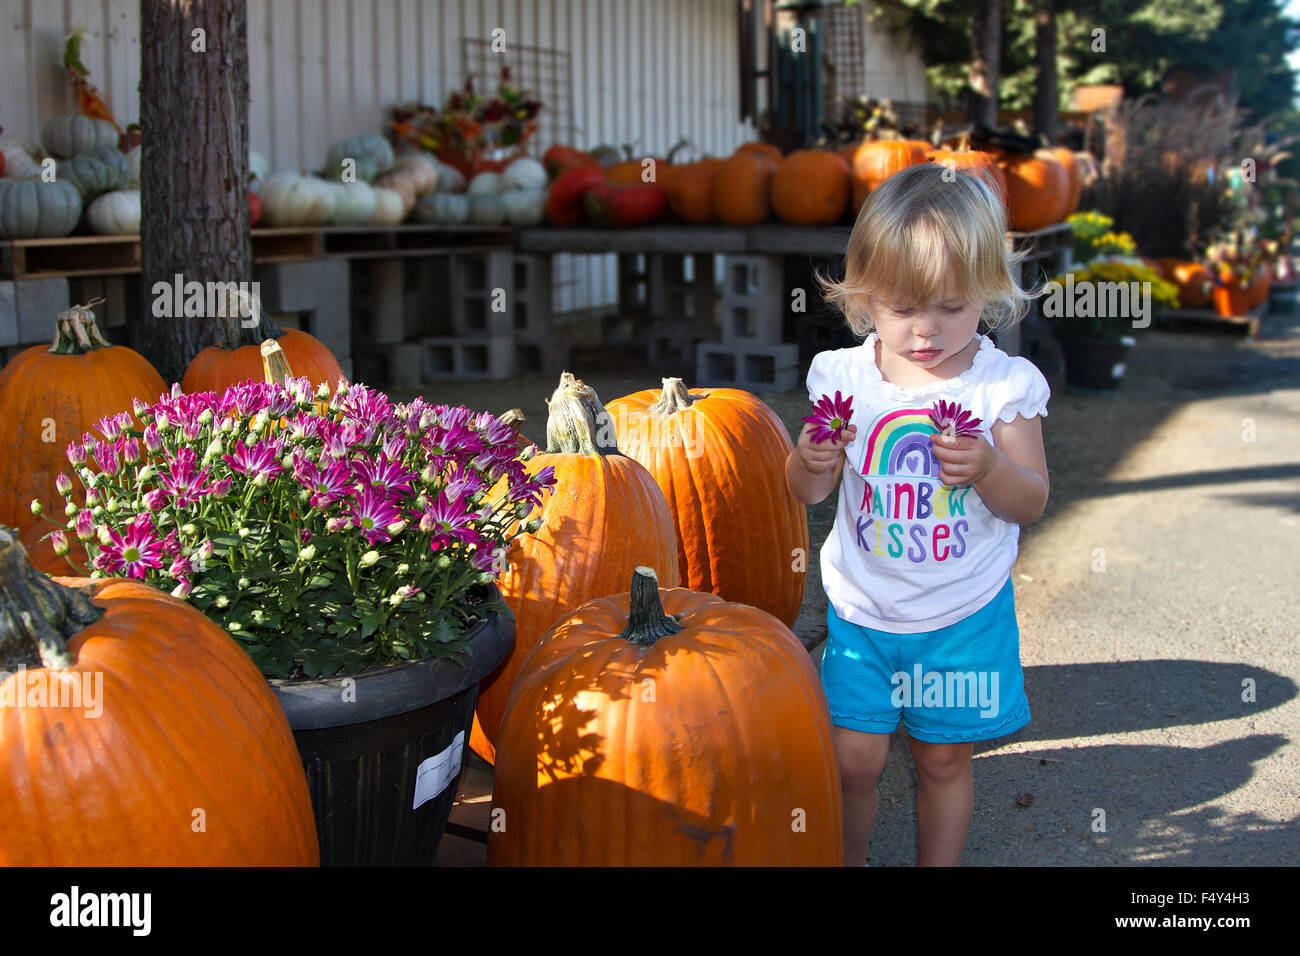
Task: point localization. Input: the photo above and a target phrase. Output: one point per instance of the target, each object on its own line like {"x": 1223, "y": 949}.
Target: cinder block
{"x": 332, "y": 319}
{"x": 39, "y": 302}
{"x": 531, "y": 296}
{"x": 753, "y": 307}
{"x": 8, "y": 315}
{"x": 290, "y": 286}
{"x": 387, "y": 325}
{"x": 481, "y": 295}
{"x": 755, "y": 368}
{"x": 487, "y": 359}
{"x": 672, "y": 345}
{"x": 404, "y": 365}
{"x": 546, "y": 356}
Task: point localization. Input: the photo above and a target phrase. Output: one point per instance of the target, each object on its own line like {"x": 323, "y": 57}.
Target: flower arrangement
{"x": 470, "y": 125}
{"x": 327, "y": 534}
{"x": 1234, "y": 258}
{"x": 1095, "y": 237}
{"x": 1094, "y": 322}
{"x": 829, "y": 418}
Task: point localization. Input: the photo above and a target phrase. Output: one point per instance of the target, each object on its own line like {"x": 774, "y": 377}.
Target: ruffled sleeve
{"x": 825, "y": 375}
{"x": 1024, "y": 391}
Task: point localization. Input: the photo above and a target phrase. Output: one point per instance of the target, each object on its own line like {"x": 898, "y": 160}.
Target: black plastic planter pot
{"x": 1095, "y": 366}
{"x": 383, "y": 750}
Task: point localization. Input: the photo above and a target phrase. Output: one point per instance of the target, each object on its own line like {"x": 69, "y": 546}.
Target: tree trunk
{"x": 985, "y": 60}
{"x": 1046, "y": 96}
{"x": 194, "y": 167}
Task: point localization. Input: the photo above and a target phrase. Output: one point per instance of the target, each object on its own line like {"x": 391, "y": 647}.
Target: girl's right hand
{"x": 820, "y": 459}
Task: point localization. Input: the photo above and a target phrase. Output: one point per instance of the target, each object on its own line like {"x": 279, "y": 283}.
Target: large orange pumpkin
{"x": 1038, "y": 189}
{"x": 667, "y": 728}
{"x": 604, "y": 511}
{"x": 1193, "y": 280}
{"x": 760, "y": 149}
{"x": 1073, "y": 171}
{"x": 741, "y": 189}
{"x": 811, "y": 187}
{"x": 179, "y": 756}
{"x": 50, "y": 397}
{"x": 238, "y": 358}
{"x": 876, "y": 160}
{"x": 690, "y": 189}
{"x": 719, "y": 456}
{"x": 977, "y": 163}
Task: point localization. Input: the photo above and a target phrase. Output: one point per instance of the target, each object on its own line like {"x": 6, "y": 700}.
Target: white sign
{"x": 434, "y": 773}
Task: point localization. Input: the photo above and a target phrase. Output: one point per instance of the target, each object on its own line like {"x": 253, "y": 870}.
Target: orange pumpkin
{"x": 975, "y": 162}
{"x": 741, "y": 189}
{"x": 1231, "y": 300}
{"x": 183, "y": 757}
{"x": 690, "y": 190}
{"x": 51, "y": 396}
{"x": 811, "y": 187}
{"x": 239, "y": 357}
{"x": 709, "y": 448}
{"x": 1193, "y": 280}
{"x": 1038, "y": 189}
{"x": 877, "y": 160}
{"x": 667, "y": 728}
{"x": 760, "y": 149}
{"x": 1074, "y": 171}
{"x": 625, "y": 173}
{"x": 1155, "y": 266}
{"x": 604, "y": 511}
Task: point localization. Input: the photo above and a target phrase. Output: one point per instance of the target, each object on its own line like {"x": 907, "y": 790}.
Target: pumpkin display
{"x": 68, "y": 136}
{"x": 974, "y": 162}
{"x": 372, "y": 155}
{"x": 633, "y": 205}
{"x": 523, "y": 207}
{"x": 1231, "y": 300}
{"x": 51, "y": 396}
{"x": 177, "y": 753}
{"x": 606, "y": 154}
{"x": 690, "y": 190}
{"x": 486, "y": 209}
{"x": 34, "y": 209}
{"x": 710, "y": 449}
{"x": 353, "y": 204}
{"x": 412, "y": 177}
{"x": 759, "y": 149}
{"x": 450, "y": 179}
{"x": 116, "y": 213}
{"x": 292, "y": 199}
{"x": 742, "y": 187}
{"x": 238, "y": 357}
{"x": 102, "y": 169}
{"x": 19, "y": 159}
{"x": 811, "y": 187}
{"x": 526, "y": 173}
{"x": 876, "y": 160}
{"x": 667, "y": 728}
{"x": 558, "y": 158}
{"x": 1193, "y": 280}
{"x": 603, "y": 515}
{"x": 390, "y": 206}
{"x": 1038, "y": 189}
{"x": 1074, "y": 173}
{"x": 564, "y": 204}
{"x": 486, "y": 184}
{"x": 444, "y": 208}
{"x": 627, "y": 172}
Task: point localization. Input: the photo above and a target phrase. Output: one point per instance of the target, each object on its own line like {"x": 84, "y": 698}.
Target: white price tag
{"x": 434, "y": 773}
{"x": 1117, "y": 370}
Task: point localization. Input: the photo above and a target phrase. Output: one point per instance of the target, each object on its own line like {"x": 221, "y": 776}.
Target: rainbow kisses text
{"x": 890, "y": 523}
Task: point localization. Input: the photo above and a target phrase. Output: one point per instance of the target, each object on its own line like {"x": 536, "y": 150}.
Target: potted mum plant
{"x": 349, "y": 545}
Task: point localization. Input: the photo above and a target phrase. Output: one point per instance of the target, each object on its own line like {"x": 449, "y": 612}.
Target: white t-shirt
{"x": 908, "y": 553}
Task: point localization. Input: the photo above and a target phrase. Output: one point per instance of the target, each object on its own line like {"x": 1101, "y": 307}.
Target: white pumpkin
{"x": 524, "y": 207}
{"x": 292, "y": 199}
{"x": 68, "y": 136}
{"x": 486, "y": 210}
{"x": 354, "y": 204}
{"x": 447, "y": 209}
{"x": 22, "y": 158}
{"x": 390, "y": 207}
{"x": 486, "y": 184}
{"x": 450, "y": 179}
{"x": 115, "y": 213}
{"x": 133, "y": 164}
{"x": 419, "y": 166}
{"x": 525, "y": 173}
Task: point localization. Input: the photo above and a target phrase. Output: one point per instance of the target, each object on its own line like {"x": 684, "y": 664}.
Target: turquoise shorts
{"x": 956, "y": 684}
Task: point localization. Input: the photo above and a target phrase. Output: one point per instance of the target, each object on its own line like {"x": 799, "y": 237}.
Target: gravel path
{"x": 1134, "y": 668}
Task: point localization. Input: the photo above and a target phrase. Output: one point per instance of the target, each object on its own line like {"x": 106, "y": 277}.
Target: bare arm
{"x": 812, "y": 470}
{"x": 1016, "y": 487}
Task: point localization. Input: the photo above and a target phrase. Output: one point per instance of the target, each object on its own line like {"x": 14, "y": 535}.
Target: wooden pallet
{"x": 386, "y": 242}
{"x": 1210, "y": 319}
{"x": 74, "y": 256}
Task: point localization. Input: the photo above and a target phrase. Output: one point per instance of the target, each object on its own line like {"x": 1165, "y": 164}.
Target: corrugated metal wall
{"x": 644, "y": 72}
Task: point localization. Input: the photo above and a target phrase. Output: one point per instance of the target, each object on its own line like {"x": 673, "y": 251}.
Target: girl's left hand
{"x": 964, "y": 460}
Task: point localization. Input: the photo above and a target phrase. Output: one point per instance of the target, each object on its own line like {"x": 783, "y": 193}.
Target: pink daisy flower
{"x": 950, "y": 419}
{"x": 830, "y": 417}
{"x": 138, "y": 553}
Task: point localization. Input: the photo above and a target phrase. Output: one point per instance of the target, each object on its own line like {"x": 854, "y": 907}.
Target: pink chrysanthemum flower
{"x": 950, "y": 419}
{"x": 830, "y": 417}
{"x": 373, "y": 512}
{"x": 139, "y": 552}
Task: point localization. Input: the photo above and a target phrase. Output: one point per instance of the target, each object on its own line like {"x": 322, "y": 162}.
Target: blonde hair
{"x": 919, "y": 226}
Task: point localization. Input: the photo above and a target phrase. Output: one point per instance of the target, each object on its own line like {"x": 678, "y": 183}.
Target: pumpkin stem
{"x": 646, "y": 620}
{"x": 676, "y": 397}
{"x": 578, "y": 423}
{"x": 37, "y": 616}
{"x": 236, "y": 329}
{"x": 75, "y": 331}
{"x": 275, "y": 364}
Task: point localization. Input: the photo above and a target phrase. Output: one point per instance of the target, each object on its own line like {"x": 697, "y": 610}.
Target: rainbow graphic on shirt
{"x": 898, "y": 443}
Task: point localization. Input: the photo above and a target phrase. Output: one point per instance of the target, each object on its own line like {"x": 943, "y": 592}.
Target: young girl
{"x": 922, "y": 619}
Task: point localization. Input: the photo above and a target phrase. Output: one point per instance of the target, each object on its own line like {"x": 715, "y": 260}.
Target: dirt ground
{"x": 1144, "y": 746}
